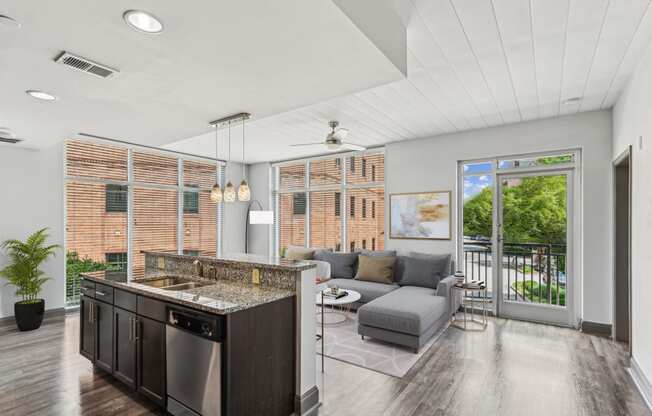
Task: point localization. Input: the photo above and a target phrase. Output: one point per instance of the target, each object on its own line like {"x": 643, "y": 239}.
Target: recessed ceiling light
{"x": 41, "y": 95}
{"x": 572, "y": 100}
{"x": 8, "y": 22}
{"x": 143, "y": 21}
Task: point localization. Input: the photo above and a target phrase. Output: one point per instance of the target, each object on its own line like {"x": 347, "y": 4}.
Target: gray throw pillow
{"x": 423, "y": 272}
{"x": 378, "y": 253}
{"x": 342, "y": 264}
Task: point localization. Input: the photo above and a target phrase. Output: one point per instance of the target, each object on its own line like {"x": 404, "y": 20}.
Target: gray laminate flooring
{"x": 512, "y": 368}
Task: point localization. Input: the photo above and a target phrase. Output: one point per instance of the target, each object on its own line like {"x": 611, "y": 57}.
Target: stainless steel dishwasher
{"x": 194, "y": 363}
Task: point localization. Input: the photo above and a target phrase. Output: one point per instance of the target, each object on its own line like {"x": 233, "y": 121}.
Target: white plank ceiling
{"x": 474, "y": 64}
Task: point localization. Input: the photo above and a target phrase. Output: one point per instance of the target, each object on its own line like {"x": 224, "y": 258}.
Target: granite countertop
{"x": 219, "y": 297}
{"x": 246, "y": 259}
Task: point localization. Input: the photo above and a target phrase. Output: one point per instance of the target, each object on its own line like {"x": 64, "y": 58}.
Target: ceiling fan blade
{"x": 353, "y": 146}
{"x": 307, "y": 144}
{"x": 341, "y": 133}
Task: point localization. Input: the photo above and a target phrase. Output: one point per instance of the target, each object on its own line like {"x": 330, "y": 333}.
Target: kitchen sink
{"x": 173, "y": 283}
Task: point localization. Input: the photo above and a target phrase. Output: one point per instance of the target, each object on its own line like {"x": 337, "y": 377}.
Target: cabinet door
{"x": 86, "y": 328}
{"x": 124, "y": 357}
{"x": 103, "y": 315}
{"x": 151, "y": 359}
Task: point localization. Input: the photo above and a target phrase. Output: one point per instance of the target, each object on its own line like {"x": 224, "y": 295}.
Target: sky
{"x": 476, "y": 183}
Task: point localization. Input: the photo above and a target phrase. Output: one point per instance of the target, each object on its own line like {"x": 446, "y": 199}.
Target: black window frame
{"x": 364, "y": 244}
{"x": 299, "y": 202}
{"x": 373, "y": 173}
{"x": 352, "y": 206}
{"x": 121, "y": 261}
{"x": 352, "y": 246}
{"x": 338, "y": 204}
{"x": 116, "y": 198}
{"x": 352, "y": 164}
{"x": 187, "y": 208}
{"x": 373, "y": 209}
{"x": 363, "y": 167}
{"x": 364, "y": 207}
{"x": 373, "y": 243}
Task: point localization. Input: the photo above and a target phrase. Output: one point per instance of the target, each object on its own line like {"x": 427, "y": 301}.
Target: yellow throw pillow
{"x": 376, "y": 269}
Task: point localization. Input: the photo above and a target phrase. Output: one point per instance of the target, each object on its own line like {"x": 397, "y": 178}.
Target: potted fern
{"x": 23, "y": 272}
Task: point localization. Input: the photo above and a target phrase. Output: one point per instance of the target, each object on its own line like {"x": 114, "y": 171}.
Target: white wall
{"x": 234, "y": 215}
{"x": 259, "y": 235}
{"x": 432, "y": 166}
{"x": 632, "y": 117}
{"x": 32, "y": 198}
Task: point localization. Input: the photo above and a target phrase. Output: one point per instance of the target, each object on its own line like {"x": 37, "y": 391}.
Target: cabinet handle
{"x": 131, "y": 329}
{"x": 90, "y": 314}
{"x": 99, "y": 292}
{"x": 136, "y": 327}
{"x": 95, "y": 312}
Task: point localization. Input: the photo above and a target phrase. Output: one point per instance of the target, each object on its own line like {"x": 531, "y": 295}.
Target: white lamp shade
{"x": 261, "y": 217}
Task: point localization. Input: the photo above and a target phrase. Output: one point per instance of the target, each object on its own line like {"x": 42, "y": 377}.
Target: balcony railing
{"x": 532, "y": 272}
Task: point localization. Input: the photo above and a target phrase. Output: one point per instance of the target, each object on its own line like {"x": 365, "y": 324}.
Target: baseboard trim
{"x": 642, "y": 383}
{"x": 307, "y": 403}
{"x": 595, "y": 328}
{"x": 7, "y": 320}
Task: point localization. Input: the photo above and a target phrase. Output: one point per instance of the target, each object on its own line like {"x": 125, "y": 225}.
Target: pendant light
{"x": 216, "y": 191}
{"x": 229, "y": 191}
{"x": 244, "y": 193}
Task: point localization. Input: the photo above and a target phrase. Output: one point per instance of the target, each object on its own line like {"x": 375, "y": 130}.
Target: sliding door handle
{"x": 136, "y": 329}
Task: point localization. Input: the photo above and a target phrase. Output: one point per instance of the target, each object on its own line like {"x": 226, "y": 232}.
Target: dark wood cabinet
{"x": 96, "y": 332}
{"x": 103, "y": 317}
{"x": 150, "y": 336}
{"x": 124, "y": 358}
{"x": 86, "y": 328}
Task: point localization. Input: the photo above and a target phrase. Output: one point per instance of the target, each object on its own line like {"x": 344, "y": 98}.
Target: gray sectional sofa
{"x": 407, "y": 312}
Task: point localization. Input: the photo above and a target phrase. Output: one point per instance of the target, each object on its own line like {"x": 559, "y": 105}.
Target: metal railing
{"x": 532, "y": 272}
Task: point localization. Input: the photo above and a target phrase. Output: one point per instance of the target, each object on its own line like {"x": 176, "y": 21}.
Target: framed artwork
{"x": 421, "y": 216}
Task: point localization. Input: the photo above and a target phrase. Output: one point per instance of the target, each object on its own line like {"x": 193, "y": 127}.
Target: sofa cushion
{"x": 368, "y": 290}
{"x": 420, "y": 272}
{"x": 376, "y": 269}
{"x": 377, "y": 253}
{"x": 342, "y": 264}
{"x": 410, "y": 310}
{"x": 299, "y": 253}
{"x": 446, "y": 259}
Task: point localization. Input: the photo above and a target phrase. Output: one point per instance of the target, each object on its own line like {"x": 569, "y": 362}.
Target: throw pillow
{"x": 376, "y": 269}
{"x": 422, "y": 272}
{"x": 299, "y": 253}
{"x": 445, "y": 259}
{"x": 342, "y": 264}
{"x": 378, "y": 253}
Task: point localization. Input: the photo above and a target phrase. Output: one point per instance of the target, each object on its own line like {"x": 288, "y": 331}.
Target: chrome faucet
{"x": 199, "y": 269}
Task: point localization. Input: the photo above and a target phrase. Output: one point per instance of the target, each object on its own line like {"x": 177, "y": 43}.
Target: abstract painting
{"x": 424, "y": 215}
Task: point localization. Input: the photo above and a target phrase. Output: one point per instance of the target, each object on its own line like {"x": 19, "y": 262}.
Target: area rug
{"x": 343, "y": 343}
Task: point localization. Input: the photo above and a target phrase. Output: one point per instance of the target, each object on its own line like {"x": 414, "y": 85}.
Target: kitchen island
{"x": 204, "y": 335}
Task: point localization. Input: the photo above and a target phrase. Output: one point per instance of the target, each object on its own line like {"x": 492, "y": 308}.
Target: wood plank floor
{"x": 513, "y": 368}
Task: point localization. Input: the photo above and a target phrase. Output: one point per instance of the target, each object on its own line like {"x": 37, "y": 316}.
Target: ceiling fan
{"x": 335, "y": 140}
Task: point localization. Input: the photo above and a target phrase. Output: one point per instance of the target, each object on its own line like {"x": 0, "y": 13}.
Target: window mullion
{"x": 130, "y": 215}
{"x": 344, "y": 208}
{"x": 180, "y": 202}
{"x": 307, "y": 216}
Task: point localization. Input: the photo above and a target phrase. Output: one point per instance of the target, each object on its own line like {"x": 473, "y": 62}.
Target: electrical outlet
{"x": 160, "y": 263}
{"x": 255, "y": 276}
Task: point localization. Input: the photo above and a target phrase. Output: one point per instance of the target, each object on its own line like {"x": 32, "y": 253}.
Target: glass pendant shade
{"x": 229, "y": 192}
{"x": 244, "y": 194}
{"x": 216, "y": 193}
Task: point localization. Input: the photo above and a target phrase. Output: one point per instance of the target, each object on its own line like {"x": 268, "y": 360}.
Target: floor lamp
{"x": 256, "y": 217}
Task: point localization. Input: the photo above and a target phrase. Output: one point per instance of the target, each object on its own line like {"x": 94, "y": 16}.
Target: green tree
{"x": 534, "y": 211}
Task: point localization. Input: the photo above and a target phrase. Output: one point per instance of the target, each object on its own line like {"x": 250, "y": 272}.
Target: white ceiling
{"x": 214, "y": 58}
{"x": 473, "y": 64}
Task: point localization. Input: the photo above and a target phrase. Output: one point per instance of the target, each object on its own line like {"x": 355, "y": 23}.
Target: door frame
{"x": 626, "y": 154}
{"x": 555, "y": 315}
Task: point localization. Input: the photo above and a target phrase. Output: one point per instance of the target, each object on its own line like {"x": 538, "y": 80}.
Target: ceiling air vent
{"x": 85, "y": 65}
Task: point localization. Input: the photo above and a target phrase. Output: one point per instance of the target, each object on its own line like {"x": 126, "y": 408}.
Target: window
{"x": 190, "y": 202}
{"x": 116, "y": 198}
{"x": 352, "y": 246}
{"x": 116, "y": 261}
{"x": 373, "y": 244}
{"x": 311, "y": 196}
{"x": 98, "y": 197}
{"x": 299, "y": 204}
{"x": 364, "y": 244}
{"x": 338, "y": 203}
